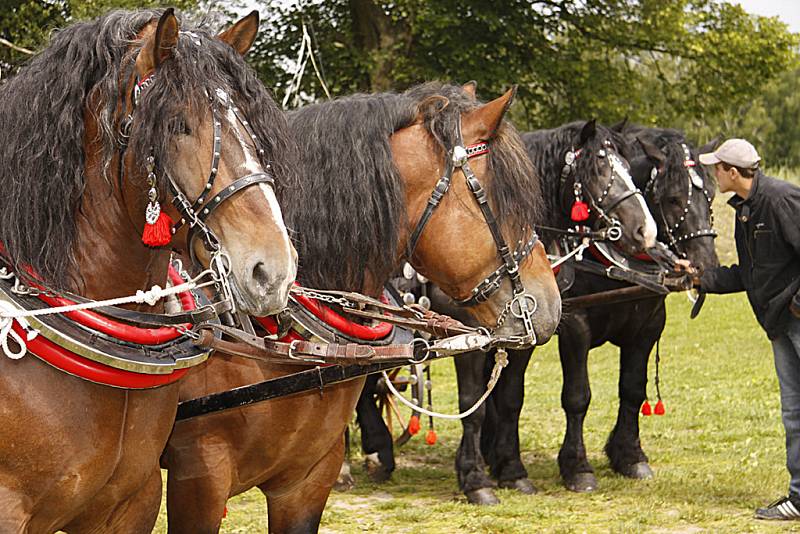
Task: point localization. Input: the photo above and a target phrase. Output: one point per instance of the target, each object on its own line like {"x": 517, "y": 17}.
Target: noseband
{"x": 618, "y": 169}
{"x": 522, "y": 305}
{"x": 695, "y": 182}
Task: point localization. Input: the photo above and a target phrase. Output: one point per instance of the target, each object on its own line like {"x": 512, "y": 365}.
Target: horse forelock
{"x": 91, "y": 63}
{"x": 514, "y": 188}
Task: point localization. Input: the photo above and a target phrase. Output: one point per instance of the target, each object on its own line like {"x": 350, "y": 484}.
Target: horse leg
{"x": 345, "y": 480}
{"x": 470, "y": 467}
{"x": 135, "y": 515}
{"x": 198, "y": 486}
{"x": 505, "y": 460}
{"x": 623, "y": 448}
{"x": 298, "y": 510}
{"x": 573, "y": 347}
{"x": 376, "y": 441}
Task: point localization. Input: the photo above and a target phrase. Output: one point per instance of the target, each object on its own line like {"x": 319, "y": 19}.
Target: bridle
{"x": 522, "y": 305}
{"x": 695, "y": 182}
{"x": 601, "y": 206}
{"x": 196, "y": 214}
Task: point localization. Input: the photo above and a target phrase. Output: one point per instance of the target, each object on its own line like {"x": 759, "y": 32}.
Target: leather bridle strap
{"x": 439, "y": 191}
{"x": 510, "y": 264}
{"x": 196, "y": 217}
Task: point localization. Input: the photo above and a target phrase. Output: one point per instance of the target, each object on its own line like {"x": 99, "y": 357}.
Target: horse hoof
{"x": 345, "y": 482}
{"x": 376, "y": 471}
{"x": 482, "y": 497}
{"x": 522, "y": 485}
{"x": 639, "y": 471}
{"x": 581, "y": 483}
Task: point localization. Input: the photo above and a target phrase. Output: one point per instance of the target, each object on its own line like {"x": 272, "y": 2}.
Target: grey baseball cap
{"x": 736, "y": 152}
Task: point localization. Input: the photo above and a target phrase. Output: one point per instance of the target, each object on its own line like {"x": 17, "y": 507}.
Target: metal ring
{"x": 522, "y": 297}
{"x": 614, "y": 233}
{"x": 424, "y": 342}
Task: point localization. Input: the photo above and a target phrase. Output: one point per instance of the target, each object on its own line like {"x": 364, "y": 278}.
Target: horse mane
{"x": 547, "y": 148}
{"x": 43, "y": 113}
{"x": 669, "y": 141}
{"x": 349, "y": 219}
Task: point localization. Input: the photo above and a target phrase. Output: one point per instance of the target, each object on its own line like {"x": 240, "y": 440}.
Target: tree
{"x": 655, "y": 61}
{"x": 26, "y": 24}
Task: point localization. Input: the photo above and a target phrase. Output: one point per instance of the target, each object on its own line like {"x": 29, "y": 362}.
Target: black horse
{"x": 578, "y": 160}
{"x": 679, "y": 193}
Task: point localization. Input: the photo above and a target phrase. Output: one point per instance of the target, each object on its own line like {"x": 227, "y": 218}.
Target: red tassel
{"x": 659, "y": 409}
{"x": 225, "y": 512}
{"x": 413, "y": 425}
{"x": 580, "y": 211}
{"x": 158, "y": 234}
{"x": 646, "y": 410}
{"x": 430, "y": 437}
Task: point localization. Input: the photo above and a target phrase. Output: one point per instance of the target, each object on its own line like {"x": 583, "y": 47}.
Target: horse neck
{"x": 111, "y": 259}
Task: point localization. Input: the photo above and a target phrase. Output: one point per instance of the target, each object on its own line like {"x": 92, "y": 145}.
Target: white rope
{"x": 500, "y": 361}
{"x": 9, "y": 312}
{"x": 578, "y": 251}
{"x": 314, "y": 62}
{"x": 6, "y": 331}
{"x": 150, "y": 297}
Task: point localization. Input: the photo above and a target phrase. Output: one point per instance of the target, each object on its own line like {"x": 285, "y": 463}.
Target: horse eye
{"x": 675, "y": 201}
{"x": 181, "y": 127}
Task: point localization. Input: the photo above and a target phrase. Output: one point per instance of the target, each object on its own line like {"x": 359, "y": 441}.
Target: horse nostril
{"x": 261, "y": 275}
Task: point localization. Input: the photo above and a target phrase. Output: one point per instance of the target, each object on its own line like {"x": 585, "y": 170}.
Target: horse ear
{"x": 708, "y": 147}
{"x": 242, "y": 34}
{"x": 161, "y": 44}
{"x": 471, "y": 88}
{"x": 588, "y": 131}
{"x": 620, "y": 126}
{"x": 483, "y": 122}
{"x": 655, "y": 154}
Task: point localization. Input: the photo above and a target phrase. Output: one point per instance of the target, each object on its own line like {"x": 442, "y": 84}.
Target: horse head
{"x": 679, "y": 192}
{"x": 479, "y": 245}
{"x": 597, "y": 165}
{"x": 200, "y": 131}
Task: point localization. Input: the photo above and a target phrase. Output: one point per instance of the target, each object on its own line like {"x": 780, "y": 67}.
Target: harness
{"x": 59, "y": 328}
{"x": 522, "y": 305}
{"x": 695, "y": 182}
{"x": 613, "y": 228}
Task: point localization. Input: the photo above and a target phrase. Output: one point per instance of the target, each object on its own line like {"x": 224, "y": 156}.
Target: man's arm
{"x": 722, "y": 280}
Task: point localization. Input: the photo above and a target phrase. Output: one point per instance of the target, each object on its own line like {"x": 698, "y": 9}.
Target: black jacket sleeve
{"x": 788, "y": 214}
{"x": 722, "y": 280}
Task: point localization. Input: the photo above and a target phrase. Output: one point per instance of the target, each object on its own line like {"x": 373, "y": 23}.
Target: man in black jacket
{"x": 768, "y": 244}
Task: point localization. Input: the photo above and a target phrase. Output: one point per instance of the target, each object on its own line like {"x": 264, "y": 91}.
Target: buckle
{"x": 293, "y": 347}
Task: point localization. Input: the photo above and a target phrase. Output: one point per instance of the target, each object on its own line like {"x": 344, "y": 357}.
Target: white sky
{"x": 787, "y": 10}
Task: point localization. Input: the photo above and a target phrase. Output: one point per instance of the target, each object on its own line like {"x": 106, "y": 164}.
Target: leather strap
{"x": 300, "y": 352}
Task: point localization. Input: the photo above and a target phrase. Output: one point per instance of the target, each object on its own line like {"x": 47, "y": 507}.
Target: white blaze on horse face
{"x": 252, "y": 166}
{"x": 650, "y": 228}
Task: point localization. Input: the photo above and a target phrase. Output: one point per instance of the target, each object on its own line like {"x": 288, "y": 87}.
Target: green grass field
{"x": 717, "y": 453}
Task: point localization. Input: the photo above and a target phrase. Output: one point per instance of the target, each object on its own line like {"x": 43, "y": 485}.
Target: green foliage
{"x": 28, "y": 23}
{"x": 673, "y": 62}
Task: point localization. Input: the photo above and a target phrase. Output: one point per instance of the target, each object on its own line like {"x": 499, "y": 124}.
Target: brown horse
{"x": 370, "y": 164}
{"x": 76, "y": 455}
